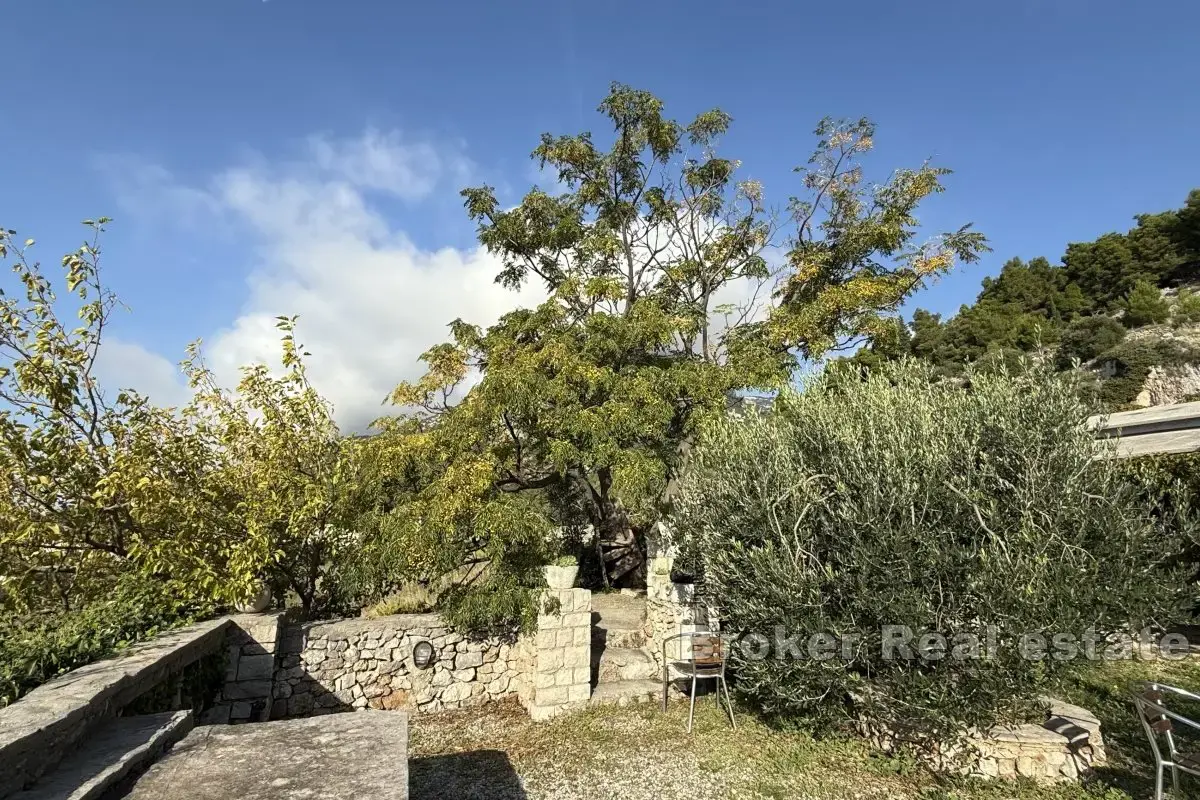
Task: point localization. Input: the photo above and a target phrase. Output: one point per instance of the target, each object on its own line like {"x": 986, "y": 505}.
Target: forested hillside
{"x": 1121, "y": 306}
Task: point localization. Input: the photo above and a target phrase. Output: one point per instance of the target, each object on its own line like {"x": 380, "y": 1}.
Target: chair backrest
{"x": 1151, "y": 709}
{"x": 1159, "y": 721}
{"x": 708, "y": 648}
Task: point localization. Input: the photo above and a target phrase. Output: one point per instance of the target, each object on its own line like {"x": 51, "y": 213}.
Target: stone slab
{"x": 40, "y": 728}
{"x": 347, "y": 756}
{"x": 116, "y": 750}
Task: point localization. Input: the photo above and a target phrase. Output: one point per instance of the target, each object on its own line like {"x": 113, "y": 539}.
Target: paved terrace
{"x": 331, "y": 757}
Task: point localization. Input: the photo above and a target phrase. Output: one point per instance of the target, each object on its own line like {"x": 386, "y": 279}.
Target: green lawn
{"x": 639, "y": 752}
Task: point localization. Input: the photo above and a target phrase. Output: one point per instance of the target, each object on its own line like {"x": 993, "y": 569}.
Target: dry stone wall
{"x": 670, "y": 610}
{"x": 250, "y": 657}
{"x": 368, "y": 663}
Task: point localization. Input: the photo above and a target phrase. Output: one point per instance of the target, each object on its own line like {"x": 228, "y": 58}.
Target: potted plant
{"x": 259, "y": 599}
{"x": 560, "y": 574}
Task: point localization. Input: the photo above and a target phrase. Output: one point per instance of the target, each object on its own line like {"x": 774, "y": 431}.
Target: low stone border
{"x": 1066, "y": 747}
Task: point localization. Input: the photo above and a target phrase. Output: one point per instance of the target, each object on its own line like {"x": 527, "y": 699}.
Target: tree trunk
{"x": 620, "y": 546}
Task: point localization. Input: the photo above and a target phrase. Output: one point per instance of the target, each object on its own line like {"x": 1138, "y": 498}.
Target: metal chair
{"x": 703, "y": 659}
{"x": 1158, "y": 722}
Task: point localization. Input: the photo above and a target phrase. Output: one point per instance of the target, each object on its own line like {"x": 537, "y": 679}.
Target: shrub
{"x": 36, "y": 648}
{"x": 1130, "y": 363}
{"x": 1087, "y": 337}
{"x": 1170, "y": 484}
{"x": 946, "y": 507}
{"x": 412, "y": 598}
{"x": 1187, "y": 308}
{"x": 1145, "y": 305}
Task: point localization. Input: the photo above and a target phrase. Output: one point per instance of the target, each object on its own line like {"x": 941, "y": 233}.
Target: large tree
{"x": 205, "y": 500}
{"x": 670, "y": 285}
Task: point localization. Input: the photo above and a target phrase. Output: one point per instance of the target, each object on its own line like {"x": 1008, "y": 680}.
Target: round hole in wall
{"x": 423, "y": 655}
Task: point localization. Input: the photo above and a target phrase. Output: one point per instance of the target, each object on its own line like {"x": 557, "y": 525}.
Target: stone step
{"x": 623, "y": 693}
{"x": 110, "y": 754}
{"x": 603, "y": 638}
{"x": 615, "y": 664}
{"x": 618, "y": 620}
{"x": 618, "y": 609}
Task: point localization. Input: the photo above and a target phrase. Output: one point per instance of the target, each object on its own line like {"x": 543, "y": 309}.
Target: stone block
{"x": 544, "y": 680}
{"x": 577, "y": 619}
{"x": 582, "y": 675}
{"x": 579, "y": 692}
{"x": 576, "y": 656}
{"x": 247, "y": 690}
{"x": 240, "y": 711}
{"x": 217, "y": 715}
{"x": 553, "y": 696}
{"x": 550, "y": 660}
{"x": 464, "y": 660}
{"x": 547, "y": 639}
{"x": 548, "y": 622}
{"x": 456, "y": 693}
{"x": 232, "y": 655}
{"x": 256, "y": 667}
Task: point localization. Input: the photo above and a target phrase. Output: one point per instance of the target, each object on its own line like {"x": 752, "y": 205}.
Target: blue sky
{"x": 296, "y": 156}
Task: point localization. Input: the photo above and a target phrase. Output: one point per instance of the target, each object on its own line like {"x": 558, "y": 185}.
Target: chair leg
{"x": 692, "y": 705}
{"x": 728, "y": 702}
{"x": 666, "y": 683}
{"x": 1158, "y": 783}
{"x": 1175, "y": 779}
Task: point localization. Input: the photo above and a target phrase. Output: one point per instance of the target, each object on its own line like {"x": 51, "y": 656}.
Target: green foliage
{"x": 1187, "y": 308}
{"x": 280, "y": 466}
{"x": 1087, "y": 337}
{"x": 1030, "y": 306}
{"x": 118, "y": 517}
{"x": 37, "y": 647}
{"x": 584, "y": 403}
{"x": 1128, "y": 364}
{"x": 1144, "y": 305}
{"x": 943, "y": 506}
{"x": 1170, "y": 484}
{"x": 90, "y": 484}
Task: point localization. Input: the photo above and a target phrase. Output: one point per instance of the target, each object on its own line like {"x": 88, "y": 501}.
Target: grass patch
{"x": 641, "y": 752}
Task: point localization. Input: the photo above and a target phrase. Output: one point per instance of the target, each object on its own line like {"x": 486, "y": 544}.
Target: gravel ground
{"x": 498, "y": 753}
{"x": 640, "y": 753}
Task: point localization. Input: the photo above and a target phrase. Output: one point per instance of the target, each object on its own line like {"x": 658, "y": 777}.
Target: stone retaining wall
{"x": 250, "y": 645}
{"x": 670, "y": 609}
{"x": 367, "y": 663}
{"x": 40, "y": 728}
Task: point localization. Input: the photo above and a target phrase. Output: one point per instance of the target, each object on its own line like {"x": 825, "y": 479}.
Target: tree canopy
{"x": 671, "y": 284}
{"x": 1073, "y": 309}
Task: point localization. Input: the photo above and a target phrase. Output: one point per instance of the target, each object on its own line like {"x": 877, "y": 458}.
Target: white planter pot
{"x": 257, "y": 604}
{"x": 560, "y": 577}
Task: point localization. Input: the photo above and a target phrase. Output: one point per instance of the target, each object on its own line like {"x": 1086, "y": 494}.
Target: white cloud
{"x": 369, "y": 300}
{"x": 388, "y": 162}
{"x": 121, "y": 364}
